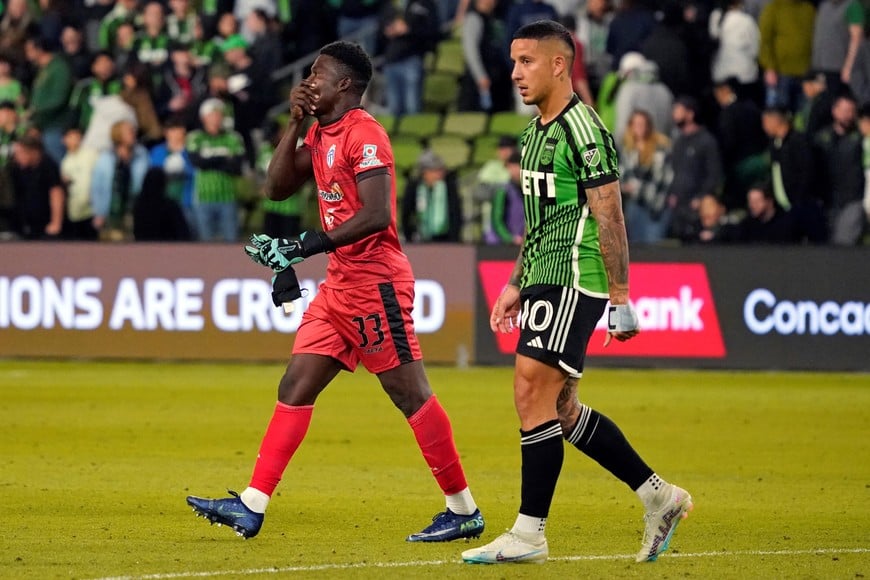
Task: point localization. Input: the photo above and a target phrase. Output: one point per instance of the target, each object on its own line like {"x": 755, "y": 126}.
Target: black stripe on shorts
{"x": 395, "y": 322}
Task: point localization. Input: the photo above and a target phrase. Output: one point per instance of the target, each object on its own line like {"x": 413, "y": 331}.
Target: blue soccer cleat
{"x": 448, "y": 526}
{"x": 228, "y": 511}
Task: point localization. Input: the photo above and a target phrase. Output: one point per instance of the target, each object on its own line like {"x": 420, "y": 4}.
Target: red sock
{"x": 435, "y": 437}
{"x": 283, "y": 436}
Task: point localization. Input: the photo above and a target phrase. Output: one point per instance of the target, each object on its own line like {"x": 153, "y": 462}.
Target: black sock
{"x": 543, "y": 451}
{"x": 600, "y": 438}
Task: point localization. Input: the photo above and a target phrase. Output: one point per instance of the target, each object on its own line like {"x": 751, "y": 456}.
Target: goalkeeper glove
{"x": 621, "y": 318}
{"x": 281, "y": 253}
{"x": 285, "y": 287}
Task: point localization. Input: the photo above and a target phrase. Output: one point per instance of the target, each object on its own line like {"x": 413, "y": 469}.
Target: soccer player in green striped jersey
{"x": 574, "y": 257}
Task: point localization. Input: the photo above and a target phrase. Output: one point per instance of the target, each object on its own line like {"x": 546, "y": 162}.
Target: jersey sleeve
{"x": 595, "y": 157}
{"x": 367, "y": 148}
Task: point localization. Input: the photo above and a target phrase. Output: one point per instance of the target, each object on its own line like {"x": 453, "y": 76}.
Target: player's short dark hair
{"x": 354, "y": 59}
{"x": 546, "y": 30}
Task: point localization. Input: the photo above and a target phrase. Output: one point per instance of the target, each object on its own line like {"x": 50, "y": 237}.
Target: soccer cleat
{"x": 508, "y": 547}
{"x": 228, "y": 511}
{"x": 659, "y": 525}
{"x": 448, "y": 526}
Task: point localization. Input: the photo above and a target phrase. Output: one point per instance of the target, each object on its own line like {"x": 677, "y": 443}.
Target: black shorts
{"x": 556, "y": 324}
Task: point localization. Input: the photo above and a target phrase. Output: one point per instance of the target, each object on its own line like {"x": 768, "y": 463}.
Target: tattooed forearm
{"x": 605, "y": 203}
{"x": 517, "y": 272}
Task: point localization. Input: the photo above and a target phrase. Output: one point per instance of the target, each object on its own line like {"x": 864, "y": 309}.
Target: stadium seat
{"x": 450, "y": 58}
{"x": 508, "y": 123}
{"x": 455, "y": 151}
{"x": 465, "y": 124}
{"x": 484, "y": 149}
{"x": 419, "y": 125}
{"x": 440, "y": 92}
{"x": 406, "y": 150}
{"x": 387, "y": 120}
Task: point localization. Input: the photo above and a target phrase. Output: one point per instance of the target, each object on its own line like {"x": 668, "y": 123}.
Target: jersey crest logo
{"x": 592, "y": 157}
{"x": 330, "y": 156}
{"x": 547, "y": 154}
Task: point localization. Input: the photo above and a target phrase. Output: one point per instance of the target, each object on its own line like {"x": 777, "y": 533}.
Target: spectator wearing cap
{"x": 697, "y": 167}
{"x": 39, "y": 195}
{"x": 641, "y": 89}
{"x": 742, "y": 142}
{"x": 217, "y": 155}
{"x": 793, "y": 176}
{"x": 431, "y": 207}
{"x": 507, "y": 222}
{"x": 785, "y": 49}
{"x": 815, "y": 109}
{"x": 49, "y": 95}
{"x": 116, "y": 181}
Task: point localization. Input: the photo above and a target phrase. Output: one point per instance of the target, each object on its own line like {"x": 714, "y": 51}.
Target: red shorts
{"x": 370, "y": 324}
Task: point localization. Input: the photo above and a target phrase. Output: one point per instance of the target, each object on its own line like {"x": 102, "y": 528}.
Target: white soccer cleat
{"x": 508, "y": 547}
{"x": 659, "y": 525}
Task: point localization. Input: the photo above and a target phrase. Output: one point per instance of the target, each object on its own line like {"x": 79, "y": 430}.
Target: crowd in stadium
{"x": 736, "y": 122}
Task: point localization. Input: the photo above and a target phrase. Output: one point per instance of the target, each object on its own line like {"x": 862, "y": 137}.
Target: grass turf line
{"x": 96, "y": 458}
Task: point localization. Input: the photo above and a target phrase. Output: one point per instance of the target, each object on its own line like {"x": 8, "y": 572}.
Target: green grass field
{"x": 97, "y": 458}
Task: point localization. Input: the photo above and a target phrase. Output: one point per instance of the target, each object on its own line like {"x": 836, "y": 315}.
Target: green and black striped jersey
{"x": 217, "y": 159}
{"x": 559, "y": 161}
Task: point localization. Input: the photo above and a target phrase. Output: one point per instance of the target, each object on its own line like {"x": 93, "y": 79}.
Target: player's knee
{"x": 407, "y": 399}
{"x": 292, "y": 391}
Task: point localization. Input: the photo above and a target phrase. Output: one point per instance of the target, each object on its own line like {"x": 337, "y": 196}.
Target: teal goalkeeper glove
{"x": 281, "y": 253}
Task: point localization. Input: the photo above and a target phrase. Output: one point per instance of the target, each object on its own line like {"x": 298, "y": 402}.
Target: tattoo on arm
{"x": 517, "y": 272}
{"x": 605, "y": 203}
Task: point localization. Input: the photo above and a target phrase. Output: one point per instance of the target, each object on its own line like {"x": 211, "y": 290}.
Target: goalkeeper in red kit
{"x": 362, "y": 312}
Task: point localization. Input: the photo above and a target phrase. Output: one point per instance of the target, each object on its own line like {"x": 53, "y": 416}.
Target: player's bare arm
{"x": 291, "y": 166}
{"x": 506, "y": 311}
{"x": 605, "y": 203}
{"x": 374, "y": 216}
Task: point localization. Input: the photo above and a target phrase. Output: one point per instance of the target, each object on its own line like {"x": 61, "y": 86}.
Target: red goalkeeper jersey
{"x": 341, "y": 152}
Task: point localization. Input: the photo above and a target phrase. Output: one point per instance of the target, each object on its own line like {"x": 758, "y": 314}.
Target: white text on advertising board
{"x": 764, "y": 313}
{"x": 235, "y": 304}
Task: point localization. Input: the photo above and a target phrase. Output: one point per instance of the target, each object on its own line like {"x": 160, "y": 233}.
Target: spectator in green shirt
{"x": 49, "y": 95}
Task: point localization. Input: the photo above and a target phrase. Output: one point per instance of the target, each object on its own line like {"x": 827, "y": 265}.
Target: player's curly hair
{"x": 354, "y": 59}
{"x": 546, "y": 30}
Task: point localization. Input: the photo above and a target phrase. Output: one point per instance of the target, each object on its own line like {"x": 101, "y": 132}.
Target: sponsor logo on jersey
{"x": 330, "y": 156}
{"x": 370, "y": 157}
{"x": 334, "y": 194}
{"x": 674, "y": 307}
{"x": 592, "y": 157}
